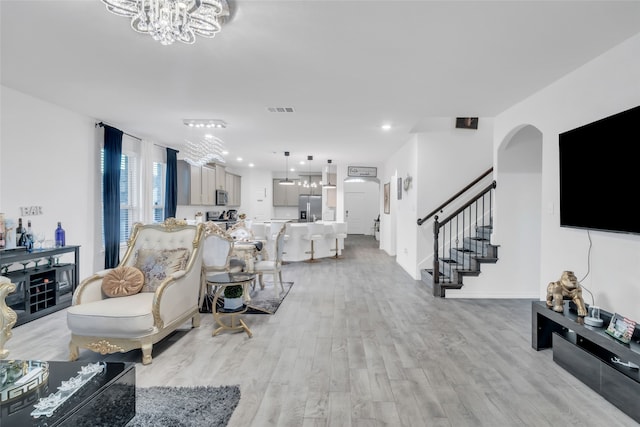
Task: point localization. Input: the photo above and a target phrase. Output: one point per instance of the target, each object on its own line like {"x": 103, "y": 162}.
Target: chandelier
{"x": 200, "y": 151}
{"x": 206, "y": 150}
{"x": 170, "y": 20}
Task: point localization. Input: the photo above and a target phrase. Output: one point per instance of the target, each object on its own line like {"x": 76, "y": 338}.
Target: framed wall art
{"x": 387, "y": 197}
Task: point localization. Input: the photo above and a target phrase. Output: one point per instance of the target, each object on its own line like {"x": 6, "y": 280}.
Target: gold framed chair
{"x": 169, "y": 258}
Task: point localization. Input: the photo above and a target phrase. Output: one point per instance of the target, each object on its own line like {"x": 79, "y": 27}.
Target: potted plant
{"x": 233, "y": 297}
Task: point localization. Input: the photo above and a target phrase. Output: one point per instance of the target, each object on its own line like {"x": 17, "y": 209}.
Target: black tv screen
{"x": 600, "y": 174}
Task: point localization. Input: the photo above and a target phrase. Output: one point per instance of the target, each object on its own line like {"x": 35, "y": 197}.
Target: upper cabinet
{"x": 285, "y": 195}
{"x": 221, "y": 178}
{"x": 234, "y": 189}
{"x": 196, "y": 185}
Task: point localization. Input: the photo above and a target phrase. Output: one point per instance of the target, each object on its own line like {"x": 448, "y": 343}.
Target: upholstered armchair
{"x": 154, "y": 290}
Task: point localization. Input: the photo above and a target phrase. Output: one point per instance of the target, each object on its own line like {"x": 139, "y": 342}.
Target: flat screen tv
{"x": 600, "y": 174}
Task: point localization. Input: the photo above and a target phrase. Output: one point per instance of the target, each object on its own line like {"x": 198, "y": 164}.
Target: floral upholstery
{"x": 157, "y": 265}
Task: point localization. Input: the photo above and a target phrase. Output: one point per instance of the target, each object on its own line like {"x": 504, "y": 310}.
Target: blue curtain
{"x": 171, "y": 192}
{"x": 111, "y": 195}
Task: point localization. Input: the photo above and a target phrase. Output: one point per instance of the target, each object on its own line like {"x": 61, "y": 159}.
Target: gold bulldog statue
{"x": 567, "y": 288}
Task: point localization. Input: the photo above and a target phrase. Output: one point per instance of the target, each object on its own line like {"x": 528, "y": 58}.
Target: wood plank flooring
{"x": 358, "y": 342}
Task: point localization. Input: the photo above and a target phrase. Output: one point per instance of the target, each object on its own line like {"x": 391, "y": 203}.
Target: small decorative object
{"x": 242, "y": 216}
{"x": 621, "y": 328}
{"x": 18, "y": 378}
{"x": 9, "y": 233}
{"x": 233, "y": 297}
{"x": 407, "y": 182}
{"x": 198, "y": 217}
{"x": 48, "y": 405}
{"x": 567, "y": 288}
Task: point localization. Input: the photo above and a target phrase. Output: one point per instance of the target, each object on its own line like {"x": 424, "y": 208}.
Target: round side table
{"x": 228, "y": 319}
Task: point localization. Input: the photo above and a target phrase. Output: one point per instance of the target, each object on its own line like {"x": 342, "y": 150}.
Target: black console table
{"x": 587, "y": 353}
{"x": 42, "y": 288}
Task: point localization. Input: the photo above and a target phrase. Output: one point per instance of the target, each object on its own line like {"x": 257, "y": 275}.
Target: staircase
{"x": 462, "y": 261}
{"x": 470, "y": 224}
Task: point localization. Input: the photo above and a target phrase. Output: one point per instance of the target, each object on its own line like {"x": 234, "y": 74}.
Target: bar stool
{"x": 340, "y": 233}
{"x": 315, "y": 231}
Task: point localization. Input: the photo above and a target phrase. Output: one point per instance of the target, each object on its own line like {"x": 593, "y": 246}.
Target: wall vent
{"x": 280, "y": 109}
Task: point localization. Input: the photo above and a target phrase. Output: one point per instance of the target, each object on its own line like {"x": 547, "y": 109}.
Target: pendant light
{"x": 286, "y": 180}
{"x": 329, "y": 184}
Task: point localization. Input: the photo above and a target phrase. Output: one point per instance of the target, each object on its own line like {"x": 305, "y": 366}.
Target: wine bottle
{"x": 60, "y": 236}
{"x": 28, "y": 241}
{"x": 19, "y": 233}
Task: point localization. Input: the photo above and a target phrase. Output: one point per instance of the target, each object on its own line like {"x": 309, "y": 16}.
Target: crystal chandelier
{"x": 170, "y": 20}
{"x": 200, "y": 151}
{"x": 206, "y": 150}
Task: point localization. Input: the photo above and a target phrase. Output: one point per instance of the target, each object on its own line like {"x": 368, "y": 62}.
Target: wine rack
{"x": 44, "y": 288}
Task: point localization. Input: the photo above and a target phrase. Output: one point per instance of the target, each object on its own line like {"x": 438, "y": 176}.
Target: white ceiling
{"x": 345, "y": 67}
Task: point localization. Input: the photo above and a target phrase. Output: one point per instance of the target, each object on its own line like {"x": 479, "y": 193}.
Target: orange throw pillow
{"x": 122, "y": 281}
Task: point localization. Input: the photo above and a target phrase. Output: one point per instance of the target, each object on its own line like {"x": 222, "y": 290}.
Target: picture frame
{"x": 621, "y": 328}
{"x": 399, "y": 189}
{"x": 387, "y": 197}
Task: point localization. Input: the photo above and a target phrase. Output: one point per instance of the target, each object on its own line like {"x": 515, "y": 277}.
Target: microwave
{"x": 221, "y": 198}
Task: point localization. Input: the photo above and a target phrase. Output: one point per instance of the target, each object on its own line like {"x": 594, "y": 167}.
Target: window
{"x": 158, "y": 184}
{"x": 128, "y": 194}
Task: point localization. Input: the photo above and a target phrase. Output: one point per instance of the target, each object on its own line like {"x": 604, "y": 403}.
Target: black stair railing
{"x": 465, "y": 224}
{"x": 454, "y": 197}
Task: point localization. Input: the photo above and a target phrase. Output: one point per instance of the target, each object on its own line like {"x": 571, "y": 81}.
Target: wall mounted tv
{"x": 600, "y": 174}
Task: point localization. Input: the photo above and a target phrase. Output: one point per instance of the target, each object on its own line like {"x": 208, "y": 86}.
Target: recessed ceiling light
{"x": 386, "y": 126}
{"x": 251, "y": 165}
{"x": 302, "y": 162}
{"x": 239, "y": 159}
{"x": 225, "y": 152}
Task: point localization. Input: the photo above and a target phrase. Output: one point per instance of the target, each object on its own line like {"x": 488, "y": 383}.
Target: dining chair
{"x": 272, "y": 266}
{"x": 217, "y": 257}
{"x": 240, "y": 231}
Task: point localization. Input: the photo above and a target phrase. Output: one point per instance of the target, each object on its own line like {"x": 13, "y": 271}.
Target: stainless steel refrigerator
{"x": 309, "y": 208}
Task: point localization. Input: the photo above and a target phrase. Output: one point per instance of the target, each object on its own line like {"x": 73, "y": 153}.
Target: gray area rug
{"x": 185, "y": 406}
{"x": 265, "y": 301}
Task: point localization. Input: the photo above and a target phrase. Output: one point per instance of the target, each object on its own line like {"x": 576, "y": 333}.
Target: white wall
{"x": 518, "y": 191}
{"x": 605, "y": 86}
{"x": 50, "y": 158}
{"x": 441, "y": 161}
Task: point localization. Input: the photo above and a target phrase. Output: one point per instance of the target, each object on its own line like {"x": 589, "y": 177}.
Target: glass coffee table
{"x": 80, "y": 393}
{"x": 229, "y": 319}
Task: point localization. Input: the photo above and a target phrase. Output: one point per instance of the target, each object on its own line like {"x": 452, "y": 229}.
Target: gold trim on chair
{"x": 8, "y": 317}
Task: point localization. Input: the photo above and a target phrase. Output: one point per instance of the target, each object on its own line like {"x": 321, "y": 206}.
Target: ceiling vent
{"x": 280, "y": 109}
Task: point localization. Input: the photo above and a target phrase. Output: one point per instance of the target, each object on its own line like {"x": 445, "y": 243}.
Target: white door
{"x": 355, "y": 213}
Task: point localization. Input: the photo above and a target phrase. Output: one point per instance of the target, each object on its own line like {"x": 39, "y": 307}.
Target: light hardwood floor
{"x": 358, "y": 342}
